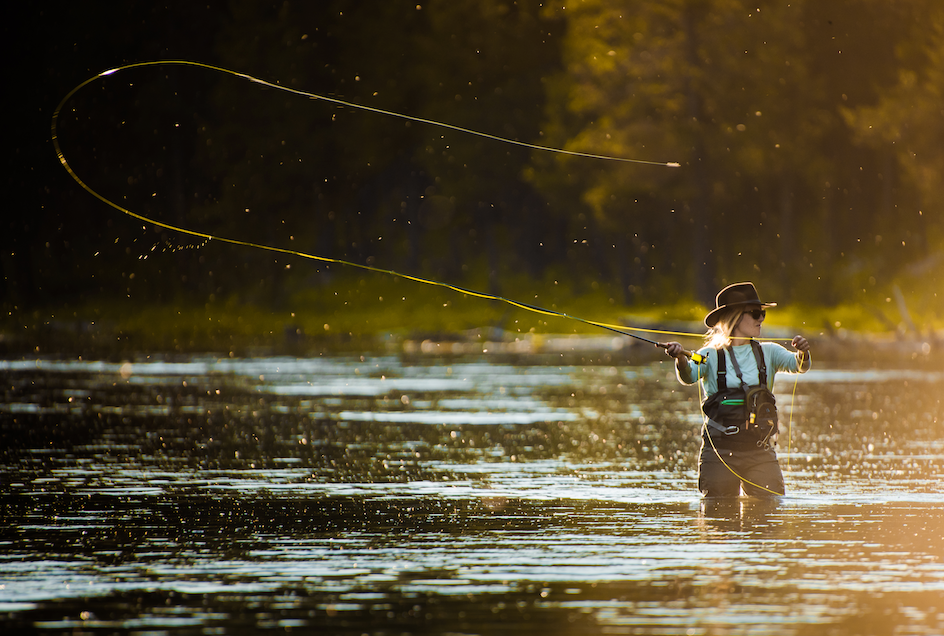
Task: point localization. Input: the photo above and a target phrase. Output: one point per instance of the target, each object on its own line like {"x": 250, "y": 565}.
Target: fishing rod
{"x": 695, "y": 357}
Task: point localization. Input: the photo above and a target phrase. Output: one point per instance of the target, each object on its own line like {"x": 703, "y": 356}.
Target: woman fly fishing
{"x": 737, "y": 374}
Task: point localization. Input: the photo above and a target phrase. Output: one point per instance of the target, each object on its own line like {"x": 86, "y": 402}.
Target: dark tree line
{"x": 805, "y": 133}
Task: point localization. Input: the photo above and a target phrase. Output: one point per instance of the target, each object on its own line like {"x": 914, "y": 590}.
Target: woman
{"x": 737, "y": 374}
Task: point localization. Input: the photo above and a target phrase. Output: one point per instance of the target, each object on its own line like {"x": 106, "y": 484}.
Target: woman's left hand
{"x": 801, "y": 344}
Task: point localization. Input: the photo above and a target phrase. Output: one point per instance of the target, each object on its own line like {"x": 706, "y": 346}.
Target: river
{"x": 468, "y": 494}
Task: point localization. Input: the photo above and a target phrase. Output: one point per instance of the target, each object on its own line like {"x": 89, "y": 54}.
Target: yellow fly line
{"x": 341, "y": 102}
{"x": 621, "y": 329}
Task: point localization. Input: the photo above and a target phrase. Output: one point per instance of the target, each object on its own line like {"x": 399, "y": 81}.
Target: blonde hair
{"x": 719, "y": 335}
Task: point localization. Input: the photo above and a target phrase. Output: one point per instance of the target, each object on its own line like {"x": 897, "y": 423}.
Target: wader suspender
{"x": 723, "y": 381}
{"x": 761, "y": 367}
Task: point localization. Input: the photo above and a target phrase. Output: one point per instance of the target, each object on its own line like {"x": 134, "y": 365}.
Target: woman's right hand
{"x": 674, "y": 350}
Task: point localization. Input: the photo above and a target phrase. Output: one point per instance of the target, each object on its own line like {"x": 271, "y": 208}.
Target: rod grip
{"x": 695, "y": 357}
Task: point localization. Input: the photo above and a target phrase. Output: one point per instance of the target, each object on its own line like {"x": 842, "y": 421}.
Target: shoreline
{"x": 100, "y": 340}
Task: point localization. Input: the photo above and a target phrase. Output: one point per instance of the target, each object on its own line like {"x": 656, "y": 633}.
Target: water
{"x": 464, "y": 495}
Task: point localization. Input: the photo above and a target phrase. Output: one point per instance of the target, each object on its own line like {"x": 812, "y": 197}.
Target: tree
{"x": 695, "y": 81}
{"x": 906, "y": 125}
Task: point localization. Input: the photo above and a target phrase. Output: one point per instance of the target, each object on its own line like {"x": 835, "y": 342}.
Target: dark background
{"x": 796, "y": 130}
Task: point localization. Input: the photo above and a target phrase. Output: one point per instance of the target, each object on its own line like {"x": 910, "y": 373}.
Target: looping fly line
{"x": 620, "y": 329}
{"x": 380, "y": 111}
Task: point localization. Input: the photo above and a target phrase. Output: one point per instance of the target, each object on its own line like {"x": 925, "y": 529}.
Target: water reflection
{"x": 378, "y": 495}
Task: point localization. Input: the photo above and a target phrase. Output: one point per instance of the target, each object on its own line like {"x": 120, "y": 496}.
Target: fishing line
{"x": 620, "y": 329}
{"x": 341, "y": 102}
{"x": 796, "y": 382}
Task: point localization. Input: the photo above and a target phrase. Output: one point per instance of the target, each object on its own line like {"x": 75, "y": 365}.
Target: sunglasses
{"x": 757, "y": 314}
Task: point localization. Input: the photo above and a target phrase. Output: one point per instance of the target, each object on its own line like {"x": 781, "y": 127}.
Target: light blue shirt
{"x": 776, "y": 357}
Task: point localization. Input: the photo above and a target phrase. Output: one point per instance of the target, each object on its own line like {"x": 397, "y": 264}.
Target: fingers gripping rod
{"x": 697, "y": 358}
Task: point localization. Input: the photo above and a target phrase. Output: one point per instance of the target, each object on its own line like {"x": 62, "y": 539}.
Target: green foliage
{"x": 749, "y": 98}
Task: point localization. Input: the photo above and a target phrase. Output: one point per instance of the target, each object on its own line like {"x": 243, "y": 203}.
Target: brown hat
{"x": 736, "y": 295}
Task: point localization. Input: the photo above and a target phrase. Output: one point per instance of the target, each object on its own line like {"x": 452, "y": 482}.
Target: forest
{"x": 806, "y": 133}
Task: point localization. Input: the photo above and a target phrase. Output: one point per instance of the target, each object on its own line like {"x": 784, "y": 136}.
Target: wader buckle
{"x": 727, "y": 430}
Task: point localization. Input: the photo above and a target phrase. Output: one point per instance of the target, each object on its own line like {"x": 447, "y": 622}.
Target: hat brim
{"x": 712, "y": 318}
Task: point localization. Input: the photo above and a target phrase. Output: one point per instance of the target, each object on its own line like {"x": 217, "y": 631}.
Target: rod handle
{"x": 697, "y": 358}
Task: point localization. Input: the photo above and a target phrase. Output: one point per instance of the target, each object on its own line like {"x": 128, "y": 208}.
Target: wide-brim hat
{"x": 736, "y": 295}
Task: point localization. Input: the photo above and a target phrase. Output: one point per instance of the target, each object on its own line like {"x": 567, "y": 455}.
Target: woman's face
{"x": 749, "y": 326}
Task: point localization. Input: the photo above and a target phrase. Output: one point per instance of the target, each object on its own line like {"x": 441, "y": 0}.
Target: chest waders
{"x": 743, "y": 416}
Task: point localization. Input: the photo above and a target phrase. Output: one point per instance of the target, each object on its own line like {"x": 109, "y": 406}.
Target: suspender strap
{"x": 722, "y": 371}
{"x": 761, "y": 365}
{"x": 758, "y": 357}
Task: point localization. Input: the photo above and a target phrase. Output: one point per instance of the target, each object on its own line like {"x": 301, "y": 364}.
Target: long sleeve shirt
{"x": 776, "y": 357}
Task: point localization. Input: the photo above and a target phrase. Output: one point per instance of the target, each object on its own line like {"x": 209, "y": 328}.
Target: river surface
{"x": 395, "y": 494}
